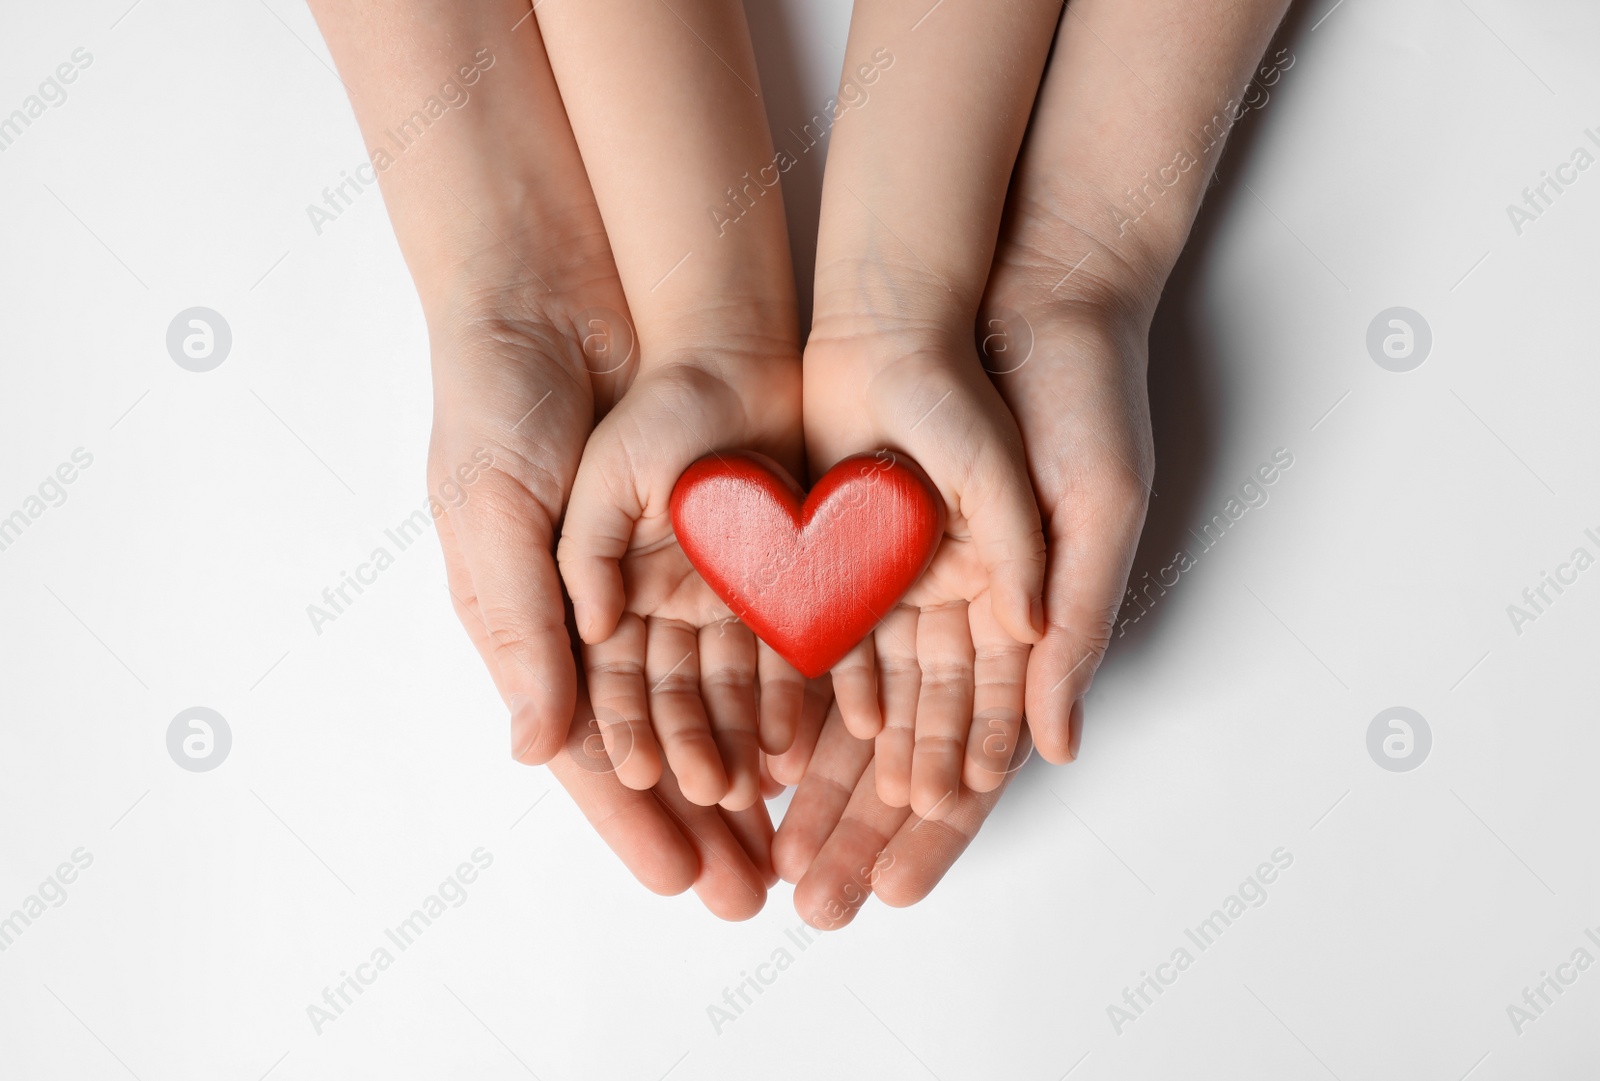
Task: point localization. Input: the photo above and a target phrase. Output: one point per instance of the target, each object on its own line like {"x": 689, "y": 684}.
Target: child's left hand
{"x": 940, "y": 682}
{"x": 662, "y": 134}
{"x": 911, "y": 207}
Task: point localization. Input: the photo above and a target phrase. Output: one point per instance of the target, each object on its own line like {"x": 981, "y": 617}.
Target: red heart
{"x": 811, "y": 579}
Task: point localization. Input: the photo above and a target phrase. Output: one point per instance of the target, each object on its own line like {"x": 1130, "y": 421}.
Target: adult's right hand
{"x": 531, "y": 343}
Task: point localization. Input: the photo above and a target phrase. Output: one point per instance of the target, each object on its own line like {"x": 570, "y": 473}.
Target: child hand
{"x": 940, "y": 682}
{"x": 669, "y": 667}
{"x": 911, "y": 206}
{"x": 669, "y": 670}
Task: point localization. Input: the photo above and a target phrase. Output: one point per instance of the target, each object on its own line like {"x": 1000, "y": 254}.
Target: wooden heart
{"x": 811, "y": 575}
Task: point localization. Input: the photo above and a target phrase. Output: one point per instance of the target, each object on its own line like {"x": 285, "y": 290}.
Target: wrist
{"x": 879, "y": 312}
{"x": 485, "y": 240}
{"x": 1069, "y": 255}
{"x": 568, "y": 313}
{"x": 763, "y": 373}
{"x": 715, "y": 401}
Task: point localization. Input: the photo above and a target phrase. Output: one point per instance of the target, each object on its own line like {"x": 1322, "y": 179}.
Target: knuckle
{"x": 677, "y": 683}
{"x": 945, "y": 673}
{"x": 519, "y": 623}
{"x": 1124, "y": 491}
{"x": 694, "y": 741}
{"x": 840, "y": 789}
{"x": 1090, "y": 640}
{"x": 726, "y": 677}
{"x": 899, "y": 667}
{"x": 855, "y": 666}
{"x": 506, "y": 638}
{"x": 896, "y": 724}
{"x": 998, "y": 654}
{"x": 618, "y": 669}
{"x": 948, "y": 745}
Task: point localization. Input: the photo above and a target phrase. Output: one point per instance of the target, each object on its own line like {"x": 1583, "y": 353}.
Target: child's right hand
{"x": 670, "y": 670}
{"x": 663, "y": 135}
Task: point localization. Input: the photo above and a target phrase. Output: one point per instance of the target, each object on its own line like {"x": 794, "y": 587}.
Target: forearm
{"x": 467, "y": 137}
{"x": 1131, "y": 119}
{"x": 917, "y": 175}
{"x": 664, "y": 103}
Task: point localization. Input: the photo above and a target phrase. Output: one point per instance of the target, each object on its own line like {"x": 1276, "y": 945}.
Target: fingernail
{"x": 1036, "y": 614}
{"x": 1075, "y": 728}
{"x": 524, "y": 725}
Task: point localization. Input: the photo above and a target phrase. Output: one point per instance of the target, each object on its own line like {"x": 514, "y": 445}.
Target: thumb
{"x": 1003, "y": 519}
{"x": 1091, "y": 548}
{"x": 510, "y": 584}
{"x": 594, "y": 538}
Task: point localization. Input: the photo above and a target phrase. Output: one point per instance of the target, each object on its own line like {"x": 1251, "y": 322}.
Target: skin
{"x": 1126, "y": 85}
{"x": 911, "y": 208}
{"x": 504, "y": 239}
{"x": 508, "y": 247}
{"x": 667, "y": 663}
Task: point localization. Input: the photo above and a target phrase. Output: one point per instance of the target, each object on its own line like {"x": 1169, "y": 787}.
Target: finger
{"x": 752, "y": 828}
{"x": 728, "y": 689}
{"x": 615, "y": 671}
{"x": 999, "y": 672}
{"x": 729, "y": 883}
{"x": 594, "y": 536}
{"x": 1003, "y": 516}
{"x": 899, "y": 685}
{"x": 463, "y": 598}
{"x": 770, "y": 787}
{"x": 503, "y": 535}
{"x": 855, "y": 688}
{"x": 636, "y": 826}
{"x": 944, "y": 708}
{"x": 819, "y": 802}
{"x": 672, "y": 669}
{"x": 1091, "y": 550}
{"x": 783, "y": 693}
{"x": 789, "y": 767}
{"x": 920, "y": 852}
{"x": 841, "y": 877}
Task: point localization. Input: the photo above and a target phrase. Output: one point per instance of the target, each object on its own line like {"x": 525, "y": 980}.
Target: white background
{"x": 1231, "y": 721}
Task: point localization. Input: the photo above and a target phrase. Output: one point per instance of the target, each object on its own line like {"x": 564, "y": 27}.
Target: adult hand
{"x": 1077, "y": 272}
{"x": 1105, "y": 192}
{"x": 840, "y": 843}
{"x": 531, "y": 342}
